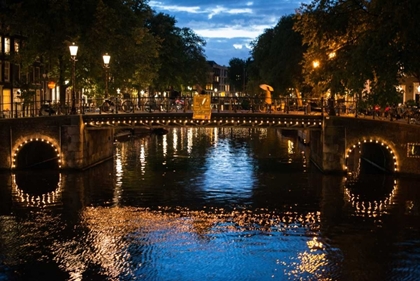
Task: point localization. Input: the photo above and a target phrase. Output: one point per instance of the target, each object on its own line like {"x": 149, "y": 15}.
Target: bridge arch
{"x": 370, "y": 150}
{"x": 36, "y": 153}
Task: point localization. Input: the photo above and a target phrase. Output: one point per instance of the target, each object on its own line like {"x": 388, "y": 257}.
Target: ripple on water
{"x": 183, "y": 244}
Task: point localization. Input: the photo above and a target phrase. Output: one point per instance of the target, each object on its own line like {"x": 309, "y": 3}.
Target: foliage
{"x": 357, "y": 41}
{"x": 181, "y": 57}
{"x": 277, "y": 54}
{"x": 146, "y": 48}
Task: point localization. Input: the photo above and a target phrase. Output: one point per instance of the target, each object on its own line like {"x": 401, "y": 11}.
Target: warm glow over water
{"x": 209, "y": 204}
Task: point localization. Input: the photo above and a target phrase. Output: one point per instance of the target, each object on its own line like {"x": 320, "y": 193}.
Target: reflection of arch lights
{"x": 360, "y": 142}
{"x": 46, "y": 199}
{"x": 373, "y": 208}
{"x": 19, "y": 147}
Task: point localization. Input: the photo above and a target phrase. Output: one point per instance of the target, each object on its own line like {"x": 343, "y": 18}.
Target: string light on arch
{"x": 377, "y": 141}
{"x": 49, "y": 143}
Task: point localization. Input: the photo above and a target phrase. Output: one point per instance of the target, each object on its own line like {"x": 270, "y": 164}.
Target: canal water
{"x": 209, "y": 204}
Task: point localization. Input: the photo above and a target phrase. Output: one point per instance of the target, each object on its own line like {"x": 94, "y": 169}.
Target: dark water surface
{"x": 208, "y": 204}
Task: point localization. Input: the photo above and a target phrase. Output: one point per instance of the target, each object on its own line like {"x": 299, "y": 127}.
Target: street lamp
{"x": 106, "y": 59}
{"x": 73, "y": 52}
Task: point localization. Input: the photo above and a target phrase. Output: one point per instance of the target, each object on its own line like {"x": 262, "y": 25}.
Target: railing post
{"x": 355, "y": 114}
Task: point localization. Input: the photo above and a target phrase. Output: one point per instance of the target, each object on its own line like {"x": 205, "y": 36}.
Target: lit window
{"x": 7, "y": 45}
{"x": 16, "y": 46}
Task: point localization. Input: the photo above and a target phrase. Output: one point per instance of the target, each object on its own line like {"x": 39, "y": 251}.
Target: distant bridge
{"x": 338, "y": 144}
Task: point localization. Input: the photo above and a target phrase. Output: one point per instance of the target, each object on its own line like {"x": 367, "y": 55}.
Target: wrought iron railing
{"x": 285, "y": 105}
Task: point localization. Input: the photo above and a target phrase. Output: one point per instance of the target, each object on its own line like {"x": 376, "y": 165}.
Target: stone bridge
{"x": 338, "y": 144}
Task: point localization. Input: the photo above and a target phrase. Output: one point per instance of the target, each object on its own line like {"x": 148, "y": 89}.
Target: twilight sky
{"x": 228, "y": 26}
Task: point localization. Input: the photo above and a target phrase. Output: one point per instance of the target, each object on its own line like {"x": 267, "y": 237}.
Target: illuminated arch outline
{"x": 382, "y": 143}
{"x": 18, "y": 147}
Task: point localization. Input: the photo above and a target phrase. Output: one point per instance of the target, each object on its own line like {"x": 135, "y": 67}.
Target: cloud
{"x": 157, "y": 5}
{"x": 238, "y": 22}
{"x": 231, "y": 32}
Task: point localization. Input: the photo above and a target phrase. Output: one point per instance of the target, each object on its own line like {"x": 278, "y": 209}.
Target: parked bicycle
{"x": 47, "y": 109}
{"x": 115, "y": 104}
{"x": 153, "y": 104}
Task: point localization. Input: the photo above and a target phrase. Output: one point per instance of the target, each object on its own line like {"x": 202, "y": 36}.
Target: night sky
{"x": 228, "y": 26}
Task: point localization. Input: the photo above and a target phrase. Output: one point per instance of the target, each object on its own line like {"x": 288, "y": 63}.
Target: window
{"x": 7, "y": 45}
{"x": 6, "y": 71}
{"x": 1, "y": 71}
{"x": 37, "y": 75}
{"x": 16, "y": 46}
{"x": 16, "y": 72}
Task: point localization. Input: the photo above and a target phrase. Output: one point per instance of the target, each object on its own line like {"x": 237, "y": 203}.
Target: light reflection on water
{"x": 181, "y": 244}
{"x": 209, "y": 204}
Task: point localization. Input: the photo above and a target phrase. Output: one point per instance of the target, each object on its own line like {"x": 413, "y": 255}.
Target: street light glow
{"x": 73, "y": 50}
{"x": 106, "y": 59}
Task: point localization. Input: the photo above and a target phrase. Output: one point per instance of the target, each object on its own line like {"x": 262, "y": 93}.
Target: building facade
{"x": 20, "y": 91}
{"x": 217, "y": 82}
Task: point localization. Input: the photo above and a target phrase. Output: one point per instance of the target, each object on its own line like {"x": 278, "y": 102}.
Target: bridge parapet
{"x": 217, "y": 119}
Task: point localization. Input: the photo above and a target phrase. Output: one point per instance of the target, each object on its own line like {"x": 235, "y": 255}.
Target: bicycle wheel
{"x": 127, "y": 106}
{"x": 148, "y": 106}
{"x": 179, "y": 106}
{"x": 166, "y": 106}
{"x": 262, "y": 107}
{"x": 105, "y": 106}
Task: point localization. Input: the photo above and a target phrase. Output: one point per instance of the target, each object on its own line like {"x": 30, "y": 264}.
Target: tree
{"x": 358, "y": 41}
{"x": 278, "y": 53}
{"x": 237, "y": 74}
{"x": 181, "y": 57}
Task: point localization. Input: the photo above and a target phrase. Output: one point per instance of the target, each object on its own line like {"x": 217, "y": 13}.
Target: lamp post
{"x": 51, "y": 86}
{"x": 106, "y": 59}
{"x": 45, "y": 87}
{"x": 73, "y": 52}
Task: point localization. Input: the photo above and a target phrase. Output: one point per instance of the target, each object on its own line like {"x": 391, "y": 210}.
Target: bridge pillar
{"x": 85, "y": 148}
{"x": 328, "y": 147}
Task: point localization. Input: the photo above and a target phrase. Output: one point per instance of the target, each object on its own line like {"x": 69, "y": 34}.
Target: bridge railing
{"x": 285, "y": 105}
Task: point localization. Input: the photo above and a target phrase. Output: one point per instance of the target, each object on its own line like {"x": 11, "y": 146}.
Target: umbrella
{"x": 266, "y": 87}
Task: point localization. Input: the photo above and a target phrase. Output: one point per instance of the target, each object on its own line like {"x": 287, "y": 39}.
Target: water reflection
{"x": 182, "y": 244}
{"x": 210, "y": 204}
{"x": 371, "y": 194}
{"x": 37, "y": 188}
